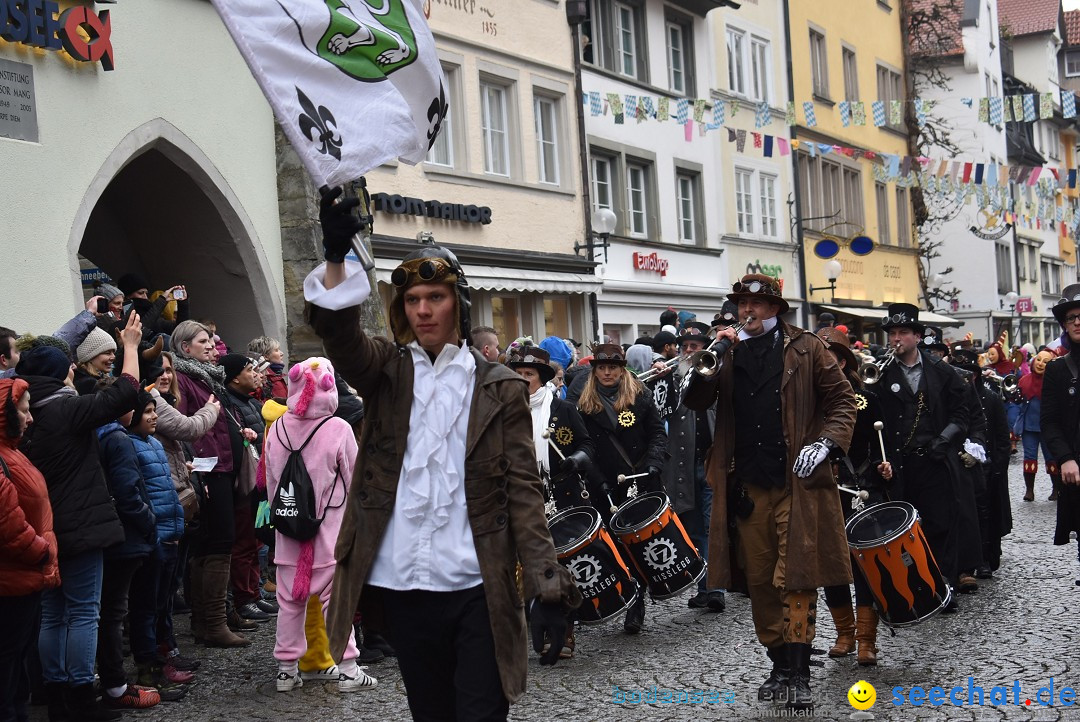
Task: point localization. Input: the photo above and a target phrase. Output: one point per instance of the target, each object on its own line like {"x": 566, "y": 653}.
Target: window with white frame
{"x": 1003, "y": 266}
{"x": 626, "y": 32}
{"x": 890, "y": 88}
{"x": 441, "y": 151}
{"x": 494, "y": 124}
{"x": 736, "y": 50}
{"x": 749, "y": 58}
{"x": 676, "y": 51}
{"x": 903, "y": 218}
{"x": 688, "y": 200}
{"x": 851, "y": 75}
{"x": 546, "y": 111}
{"x": 637, "y": 192}
{"x": 756, "y": 203}
{"x": 854, "y": 212}
{"x": 1051, "y": 276}
{"x": 881, "y": 198}
{"x": 1021, "y": 262}
{"x": 829, "y": 187}
{"x": 819, "y": 64}
{"x": 602, "y": 171}
{"x": 1072, "y": 64}
{"x": 744, "y": 200}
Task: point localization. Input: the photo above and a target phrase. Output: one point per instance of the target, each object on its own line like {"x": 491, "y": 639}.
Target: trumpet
{"x": 652, "y": 372}
{"x": 707, "y": 361}
{"x": 1007, "y": 384}
{"x": 870, "y": 372}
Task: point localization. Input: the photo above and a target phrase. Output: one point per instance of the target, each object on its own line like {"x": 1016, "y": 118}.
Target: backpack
{"x": 293, "y": 508}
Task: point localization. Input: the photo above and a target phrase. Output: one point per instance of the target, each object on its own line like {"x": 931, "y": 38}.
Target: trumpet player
{"x": 783, "y": 408}
{"x": 926, "y": 418}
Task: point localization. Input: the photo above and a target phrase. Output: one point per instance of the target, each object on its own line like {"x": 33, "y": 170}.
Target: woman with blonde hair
{"x": 624, "y": 423}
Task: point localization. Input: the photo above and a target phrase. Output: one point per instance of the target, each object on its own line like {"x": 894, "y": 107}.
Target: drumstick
{"x": 622, "y": 478}
{"x": 878, "y": 426}
{"x": 547, "y": 435}
{"x": 861, "y": 493}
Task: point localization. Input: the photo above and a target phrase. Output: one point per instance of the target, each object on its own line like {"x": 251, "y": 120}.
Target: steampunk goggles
{"x": 423, "y": 270}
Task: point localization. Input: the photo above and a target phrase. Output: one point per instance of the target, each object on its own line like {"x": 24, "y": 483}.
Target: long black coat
{"x": 1060, "y": 422}
{"x": 642, "y": 436}
{"x": 997, "y": 472}
{"x": 62, "y": 443}
{"x": 568, "y": 432}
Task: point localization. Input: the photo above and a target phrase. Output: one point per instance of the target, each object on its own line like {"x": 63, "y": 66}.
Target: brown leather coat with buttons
{"x": 816, "y": 401}
{"x": 502, "y": 488}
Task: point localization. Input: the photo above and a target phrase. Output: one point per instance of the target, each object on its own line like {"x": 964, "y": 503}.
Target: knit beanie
{"x": 44, "y": 361}
{"x": 97, "y": 342}
{"x": 131, "y": 282}
{"x": 312, "y": 389}
{"x": 29, "y": 341}
{"x": 108, "y": 292}
{"x": 142, "y": 400}
{"x": 233, "y": 364}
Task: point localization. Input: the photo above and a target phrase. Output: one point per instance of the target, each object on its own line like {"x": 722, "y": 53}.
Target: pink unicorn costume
{"x": 307, "y": 568}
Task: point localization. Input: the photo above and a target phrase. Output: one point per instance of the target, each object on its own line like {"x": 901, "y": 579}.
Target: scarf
{"x": 766, "y": 326}
{"x": 430, "y": 473}
{"x": 540, "y": 406}
{"x": 211, "y": 375}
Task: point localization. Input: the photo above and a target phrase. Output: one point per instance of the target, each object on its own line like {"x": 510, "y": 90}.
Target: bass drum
{"x": 658, "y": 544}
{"x": 888, "y": 546}
{"x": 585, "y": 548}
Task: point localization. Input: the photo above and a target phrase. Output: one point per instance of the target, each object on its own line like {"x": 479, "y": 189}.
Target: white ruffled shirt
{"x": 428, "y": 544}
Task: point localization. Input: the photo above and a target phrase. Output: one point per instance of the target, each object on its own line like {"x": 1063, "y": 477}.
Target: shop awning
{"x": 877, "y": 314}
{"x": 491, "y": 278}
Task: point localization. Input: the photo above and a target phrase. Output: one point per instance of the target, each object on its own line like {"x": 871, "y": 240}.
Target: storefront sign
{"x": 989, "y": 226}
{"x": 774, "y": 270}
{"x": 1024, "y": 305}
{"x": 403, "y": 205}
{"x": 35, "y": 23}
{"x": 18, "y": 107}
{"x": 651, "y": 262}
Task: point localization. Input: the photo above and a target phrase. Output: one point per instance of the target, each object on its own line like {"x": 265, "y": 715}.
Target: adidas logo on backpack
{"x": 294, "y": 507}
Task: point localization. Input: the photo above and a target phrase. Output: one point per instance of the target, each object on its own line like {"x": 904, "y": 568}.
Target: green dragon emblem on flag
{"x": 366, "y": 39}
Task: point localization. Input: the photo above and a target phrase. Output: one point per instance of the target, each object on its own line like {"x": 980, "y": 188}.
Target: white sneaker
{"x": 288, "y": 682}
{"x": 330, "y": 674}
{"x": 362, "y": 680}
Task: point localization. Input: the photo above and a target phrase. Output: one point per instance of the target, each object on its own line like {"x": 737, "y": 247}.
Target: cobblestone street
{"x": 1017, "y": 627}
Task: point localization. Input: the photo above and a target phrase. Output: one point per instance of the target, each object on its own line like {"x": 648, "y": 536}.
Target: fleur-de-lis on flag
{"x": 323, "y": 121}
{"x": 436, "y": 114}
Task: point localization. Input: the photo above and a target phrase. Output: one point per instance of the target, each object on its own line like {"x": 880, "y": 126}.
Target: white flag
{"x": 354, "y": 83}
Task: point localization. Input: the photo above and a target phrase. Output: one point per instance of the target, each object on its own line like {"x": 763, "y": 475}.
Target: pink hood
{"x": 312, "y": 389}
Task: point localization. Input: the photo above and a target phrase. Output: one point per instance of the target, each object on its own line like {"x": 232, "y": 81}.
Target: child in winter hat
{"x": 306, "y": 568}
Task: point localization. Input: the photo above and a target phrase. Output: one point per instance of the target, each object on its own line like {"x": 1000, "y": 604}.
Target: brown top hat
{"x": 838, "y": 342}
{"x": 758, "y": 285}
{"x": 608, "y": 353}
{"x": 532, "y": 357}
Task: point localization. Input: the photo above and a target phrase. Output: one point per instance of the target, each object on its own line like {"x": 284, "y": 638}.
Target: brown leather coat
{"x": 816, "y": 401}
{"x": 502, "y": 488}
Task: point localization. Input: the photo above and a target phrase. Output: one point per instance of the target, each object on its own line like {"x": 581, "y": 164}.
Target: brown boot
{"x": 198, "y": 599}
{"x": 215, "y": 586}
{"x": 844, "y": 619}
{"x": 1055, "y": 479}
{"x": 866, "y": 619}
{"x": 1029, "y": 486}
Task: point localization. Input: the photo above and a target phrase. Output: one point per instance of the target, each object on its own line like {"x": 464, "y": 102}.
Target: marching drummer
{"x": 783, "y": 408}
{"x": 623, "y": 422}
{"x": 863, "y": 468}
{"x": 564, "y": 450}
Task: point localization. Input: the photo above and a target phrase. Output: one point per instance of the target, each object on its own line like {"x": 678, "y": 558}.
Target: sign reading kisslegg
{"x": 651, "y": 262}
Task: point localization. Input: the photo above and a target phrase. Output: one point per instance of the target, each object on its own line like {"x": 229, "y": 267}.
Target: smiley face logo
{"x": 862, "y": 695}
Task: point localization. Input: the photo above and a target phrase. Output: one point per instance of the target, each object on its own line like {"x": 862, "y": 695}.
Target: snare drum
{"x": 658, "y": 544}
{"x": 888, "y": 546}
{"x": 587, "y": 551}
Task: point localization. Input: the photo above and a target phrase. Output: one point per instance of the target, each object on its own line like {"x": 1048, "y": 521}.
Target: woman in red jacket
{"x": 27, "y": 548}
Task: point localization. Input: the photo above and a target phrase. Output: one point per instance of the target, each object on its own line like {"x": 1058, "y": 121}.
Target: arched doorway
{"x": 160, "y": 209}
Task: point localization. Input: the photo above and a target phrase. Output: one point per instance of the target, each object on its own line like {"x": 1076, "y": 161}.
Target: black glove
{"x": 339, "y": 224}
{"x": 939, "y": 447}
{"x": 653, "y": 482}
{"x": 578, "y": 461}
{"x": 547, "y": 619}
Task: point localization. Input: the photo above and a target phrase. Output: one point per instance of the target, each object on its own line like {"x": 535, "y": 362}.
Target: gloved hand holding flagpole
{"x": 352, "y": 85}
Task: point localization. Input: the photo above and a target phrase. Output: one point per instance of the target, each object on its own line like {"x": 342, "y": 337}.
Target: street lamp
{"x": 833, "y": 269}
{"x": 933, "y": 284}
{"x": 1011, "y": 298}
{"x": 603, "y": 224}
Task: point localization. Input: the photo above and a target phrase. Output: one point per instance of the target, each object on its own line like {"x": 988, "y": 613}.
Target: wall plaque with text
{"x": 18, "y": 105}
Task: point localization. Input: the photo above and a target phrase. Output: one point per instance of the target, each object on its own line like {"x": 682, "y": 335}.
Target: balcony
{"x": 701, "y": 7}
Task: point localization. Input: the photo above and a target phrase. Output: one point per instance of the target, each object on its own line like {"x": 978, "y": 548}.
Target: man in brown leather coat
{"x": 783, "y": 407}
{"x": 445, "y": 498}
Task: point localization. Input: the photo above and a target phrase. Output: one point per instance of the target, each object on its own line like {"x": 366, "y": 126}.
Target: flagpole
{"x": 362, "y": 240}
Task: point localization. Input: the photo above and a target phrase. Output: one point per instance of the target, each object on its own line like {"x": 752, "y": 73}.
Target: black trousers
{"x": 116, "y": 579}
{"x": 446, "y": 653}
{"x": 928, "y": 488}
{"x": 18, "y": 629}
{"x": 216, "y": 522}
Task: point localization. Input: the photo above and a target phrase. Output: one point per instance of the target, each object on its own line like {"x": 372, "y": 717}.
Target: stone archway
{"x": 160, "y": 208}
